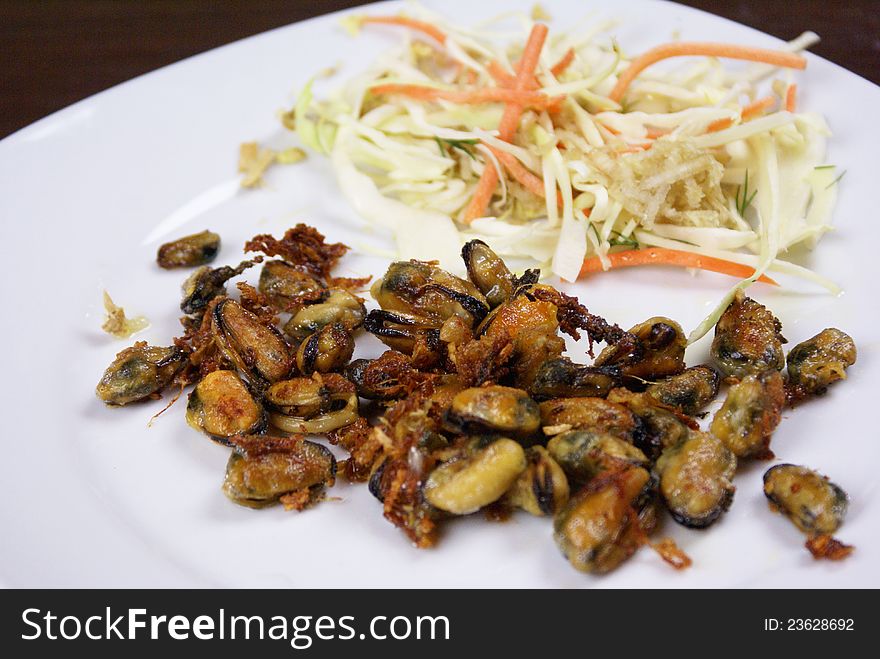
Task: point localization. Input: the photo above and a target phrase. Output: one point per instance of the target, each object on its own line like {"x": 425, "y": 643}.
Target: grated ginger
{"x": 674, "y": 182}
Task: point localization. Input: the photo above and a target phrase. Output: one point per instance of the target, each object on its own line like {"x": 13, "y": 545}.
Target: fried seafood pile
{"x": 474, "y": 406}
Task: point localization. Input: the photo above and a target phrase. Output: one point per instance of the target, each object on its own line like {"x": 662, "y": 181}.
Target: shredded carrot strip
{"x": 560, "y": 66}
{"x": 756, "y": 108}
{"x": 527, "y": 179}
{"x": 486, "y": 95}
{"x": 654, "y": 133}
{"x": 420, "y": 26}
{"x": 509, "y": 121}
{"x": 731, "y": 51}
{"x": 504, "y": 79}
{"x": 663, "y": 256}
{"x": 719, "y": 124}
{"x": 791, "y": 97}
{"x": 499, "y": 74}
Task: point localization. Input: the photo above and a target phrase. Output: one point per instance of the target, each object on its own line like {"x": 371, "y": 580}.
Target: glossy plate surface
{"x": 94, "y": 497}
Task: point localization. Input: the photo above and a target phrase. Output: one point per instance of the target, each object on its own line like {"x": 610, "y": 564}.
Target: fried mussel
{"x": 814, "y": 505}
{"x": 189, "y": 251}
{"x": 474, "y": 405}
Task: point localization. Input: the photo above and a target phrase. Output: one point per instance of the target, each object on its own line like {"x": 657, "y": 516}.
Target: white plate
{"x": 93, "y": 497}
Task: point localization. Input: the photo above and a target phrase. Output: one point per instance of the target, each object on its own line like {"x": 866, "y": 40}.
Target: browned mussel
{"x": 750, "y": 414}
{"x": 222, "y": 406}
{"x": 140, "y": 372}
{"x": 696, "y": 479}
{"x": 257, "y": 349}
{"x": 604, "y": 524}
{"x": 817, "y": 363}
{"x": 813, "y": 503}
{"x": 490, "y": 274}
{"x": 559, "y": 378}
{"x": 661, "y": 344}
{"x": 206, "y": 284}
{"x": 689, "y": 391}
{"x": 748, "y": 339}
{"x": 289, "y": 288}
{"x": 478, "y": 478}
{"x": 596, "y": 414}
{"x": 493, "y": 409}
{"x": 542, "y": 489}
{"x": 189, "y": 251}
{"x": 585, "y": 454}
{"x": 425, "y": 291}
{"x": 312, "y": 405}
{"x": 328, "y": 349}
{"x": 339, "y": 308}
{"x": 662, "y": 426}
{"x": 265, "y": 470}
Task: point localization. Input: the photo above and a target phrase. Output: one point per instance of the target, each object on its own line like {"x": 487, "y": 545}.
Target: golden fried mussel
{"x": 604, "y": 523}
{"x": 494, "y": 409}
{"x": 696, "y": 479}
{"x": 812, "y": 502}
{"x": 662, "y": 426}
{"x": 428, "y": 292}
{"x": 138, "y": 372}
{"x": 263, "y": 470}
{"x": 658, "y": 352}
{"x": 584, "y": 454}
{"x": 189, "y": 251}
{"x": 561, "y": 378}
{"x": 490, "y": 274}
{"x": 689, "y": 391}
{"x": 312, "y": 405}
{"x": 542, "y": 489}
{"x": 594, "y": 414}
{"x": 257, "y": 349}
{"x": 749, "y": 415}
{"x": 328, "y": 349}
{"x": 340, "y": 307}
{"x": 222, "y": 406}
{"x": 747, "y": 339}
{"x": 464, "y": 485}
{"x": 818, "y": 362}
{"x": 206, "y": 284}
{"x": 388, "y": 377}
{"x": 288, "y": 287}
{"x": 403, "y": 332}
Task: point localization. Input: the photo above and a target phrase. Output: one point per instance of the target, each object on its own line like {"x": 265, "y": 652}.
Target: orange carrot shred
{"x": 719, "y": 124}
{"x": 690, "y": 48}
{"x": 791, "y": 97}
{"x": 560, "y": 66}
{"x": 653, "y": 133}
{"x": 757, "y": 107}
{"x": 664, "y": 256}
{"x": 509, "y": 121}
{"x": 503, "y": 78}
{"x": 527, "y": 179}
{"x": 420, "y": 26}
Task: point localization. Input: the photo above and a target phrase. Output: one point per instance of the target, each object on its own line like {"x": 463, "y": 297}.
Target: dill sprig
{"x": 743, "y": 198}
{"x": 617, "y": 239}
{"x": 462, "y": 145}
{"x": 837, "y": 180}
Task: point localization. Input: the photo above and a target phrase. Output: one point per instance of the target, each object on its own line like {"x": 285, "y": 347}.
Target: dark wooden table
{"x": 55, "y": 52}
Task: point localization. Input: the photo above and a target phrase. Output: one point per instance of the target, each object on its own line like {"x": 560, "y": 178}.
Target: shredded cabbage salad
{"x": 690, "y": 159}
